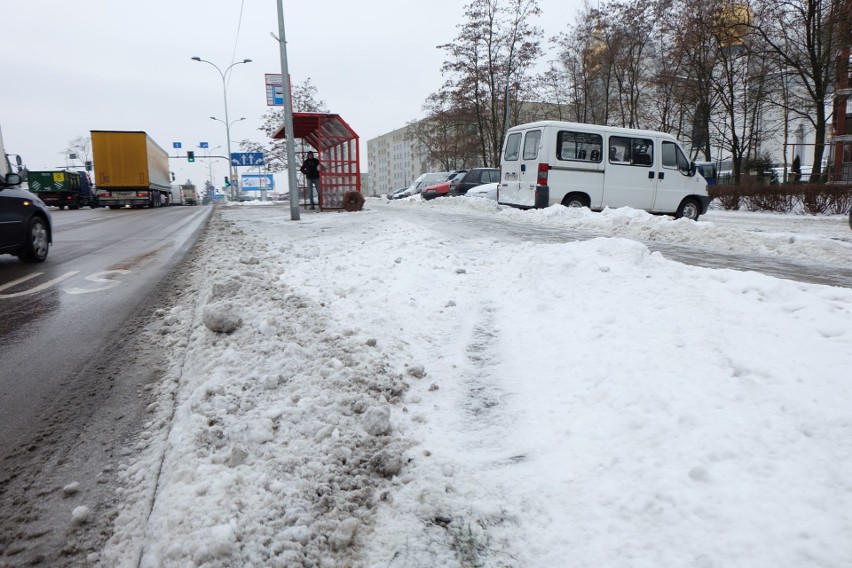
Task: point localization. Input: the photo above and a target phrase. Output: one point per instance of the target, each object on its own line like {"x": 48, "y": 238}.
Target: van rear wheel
{"x": 575, "y": 200}
{"x": 689, "y": 209}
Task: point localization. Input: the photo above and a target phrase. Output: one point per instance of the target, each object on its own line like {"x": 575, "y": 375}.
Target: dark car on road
{"x": 25, "y": 224}
{"x": 463, "y": 182}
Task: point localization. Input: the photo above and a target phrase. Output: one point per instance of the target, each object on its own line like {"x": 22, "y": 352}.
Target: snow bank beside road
{"x": 820, "y": 239}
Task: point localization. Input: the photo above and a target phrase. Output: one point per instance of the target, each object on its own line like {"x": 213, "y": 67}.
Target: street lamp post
{"x": 224, "y": 75}
{"x": 210, "y": 164}
{"x": 231, "y": 167}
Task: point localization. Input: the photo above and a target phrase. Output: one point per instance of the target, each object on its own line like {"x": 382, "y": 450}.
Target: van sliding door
{"x": 631, "y": 173}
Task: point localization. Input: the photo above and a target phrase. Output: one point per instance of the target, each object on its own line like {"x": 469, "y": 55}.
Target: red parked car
{"x": 440, "y": 189}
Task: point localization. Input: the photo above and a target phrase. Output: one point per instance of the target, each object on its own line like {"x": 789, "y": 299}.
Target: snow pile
{"x": 395, "y": 398}
{"x": 706, "y": 233}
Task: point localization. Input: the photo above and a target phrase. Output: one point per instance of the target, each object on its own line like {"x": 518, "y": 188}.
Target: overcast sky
{"x": 69, "y": 68}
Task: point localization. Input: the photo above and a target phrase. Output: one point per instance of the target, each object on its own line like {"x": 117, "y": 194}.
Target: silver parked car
{"x": 423, "y": 180}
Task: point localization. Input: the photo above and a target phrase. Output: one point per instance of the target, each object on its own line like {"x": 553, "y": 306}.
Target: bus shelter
{"x": 336, "y": 146}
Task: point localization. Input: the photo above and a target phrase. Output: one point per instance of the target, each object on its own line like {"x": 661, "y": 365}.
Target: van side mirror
{"x": 692, "y": 169}
{"x": 11, "y": 179}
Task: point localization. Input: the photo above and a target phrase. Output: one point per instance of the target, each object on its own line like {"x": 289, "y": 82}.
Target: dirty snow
{"x": 351, "y": 390}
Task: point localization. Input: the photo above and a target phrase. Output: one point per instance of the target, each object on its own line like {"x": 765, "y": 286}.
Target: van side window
{"x": 633, "y": 151}
{"x": 513, "y": 147}
{"x": 674, "y": 158}
{"x": 531, "y": 142}
{"x": 578, "y": 146}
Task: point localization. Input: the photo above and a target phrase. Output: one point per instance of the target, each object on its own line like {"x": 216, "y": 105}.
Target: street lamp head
{"x": 214, "y": 118}
{"x": 196, "y": 58}
{"x": 246, "y": 60}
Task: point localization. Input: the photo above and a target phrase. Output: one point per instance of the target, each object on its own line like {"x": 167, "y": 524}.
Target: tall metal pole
{"x": 234, "y": 189}
{"x": 224, "y": 74}
{"x": 508, "y": 76}
{"x": 288, "y": 119}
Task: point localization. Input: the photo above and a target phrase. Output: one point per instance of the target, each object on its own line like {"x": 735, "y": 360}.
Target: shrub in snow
{"x": 221, "y": 317}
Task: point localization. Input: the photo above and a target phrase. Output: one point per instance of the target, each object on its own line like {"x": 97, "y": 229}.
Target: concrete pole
{"x": 295, "y": 198}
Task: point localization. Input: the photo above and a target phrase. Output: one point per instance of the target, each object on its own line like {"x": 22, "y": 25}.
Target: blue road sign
{"x": 247, "y": 158}
{"x": 202, "y": 144}
{"x": 175, "y": 144}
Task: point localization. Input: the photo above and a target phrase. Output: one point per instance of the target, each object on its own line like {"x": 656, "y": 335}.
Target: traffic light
{"x": 227, "y": 182}
{"x": 190, "y": 156}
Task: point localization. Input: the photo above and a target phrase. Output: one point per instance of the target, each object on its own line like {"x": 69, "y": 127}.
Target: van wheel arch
{"x": 576, "y": 199}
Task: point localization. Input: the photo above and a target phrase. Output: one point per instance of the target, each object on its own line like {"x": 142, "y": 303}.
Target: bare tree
{"x": 305, "y": 99}
{"x": 81, "y": 148}
{"x": 495, "y": 45}
{"x": 804, "y": 36}
{"x": 687, "y": 103}
{"x": 447, "y": 138}
{"x": 625, "y": 28}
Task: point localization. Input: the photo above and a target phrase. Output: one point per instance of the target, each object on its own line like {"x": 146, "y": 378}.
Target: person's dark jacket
{"x": 310, "y": 167}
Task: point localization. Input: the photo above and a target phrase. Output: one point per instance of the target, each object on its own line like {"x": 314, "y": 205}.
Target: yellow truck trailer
{"x": 130, "y": 169}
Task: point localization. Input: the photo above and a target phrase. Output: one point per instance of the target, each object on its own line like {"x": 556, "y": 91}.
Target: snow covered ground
{"x": 352, "y": 390}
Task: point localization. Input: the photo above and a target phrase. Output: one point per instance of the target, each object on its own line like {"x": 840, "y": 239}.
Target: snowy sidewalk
{"x": 351, "y": 390}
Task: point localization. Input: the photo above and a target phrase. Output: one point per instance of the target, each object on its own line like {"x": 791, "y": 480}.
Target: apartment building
{"x": 394, "y": 160}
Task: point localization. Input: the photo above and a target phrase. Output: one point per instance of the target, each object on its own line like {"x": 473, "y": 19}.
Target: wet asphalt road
{"x": 73, "y": 371}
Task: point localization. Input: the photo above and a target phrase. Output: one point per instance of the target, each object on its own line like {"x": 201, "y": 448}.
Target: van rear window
{"x": 513, "y": 147}
{"x": 531, "y": 143}
{"x": 578, "y": 146}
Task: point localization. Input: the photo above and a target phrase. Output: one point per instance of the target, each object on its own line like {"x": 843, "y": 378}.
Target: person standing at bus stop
{"x": 310, "y": 167}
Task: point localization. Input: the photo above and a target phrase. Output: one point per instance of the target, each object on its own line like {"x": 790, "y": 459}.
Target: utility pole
{"x": 288, "y": 118}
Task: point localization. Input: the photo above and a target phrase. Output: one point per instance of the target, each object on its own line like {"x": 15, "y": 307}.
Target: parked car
{"x": 462, "y": 182}
{"x": 486, "y": 190}
{"x": 25, "y": 223}
{"x": 396, "y": 193}
{"x": 443, "y": 188}
{"x": 423, "y": 180}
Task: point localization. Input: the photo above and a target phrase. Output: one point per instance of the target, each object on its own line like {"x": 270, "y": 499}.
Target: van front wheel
{"x": 575, "y": 200}
{"x": 689, "y": 209}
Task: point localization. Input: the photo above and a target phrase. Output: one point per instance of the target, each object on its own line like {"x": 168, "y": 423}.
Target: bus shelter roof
{"x": 320, "y": 130}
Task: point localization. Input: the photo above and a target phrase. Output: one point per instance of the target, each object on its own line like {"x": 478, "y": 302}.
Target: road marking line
{"x": 105, "y": 276}
{"x": 38, "y": 288}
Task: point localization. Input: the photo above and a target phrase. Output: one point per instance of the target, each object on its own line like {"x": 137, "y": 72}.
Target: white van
{"x": 585, "y": 165}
